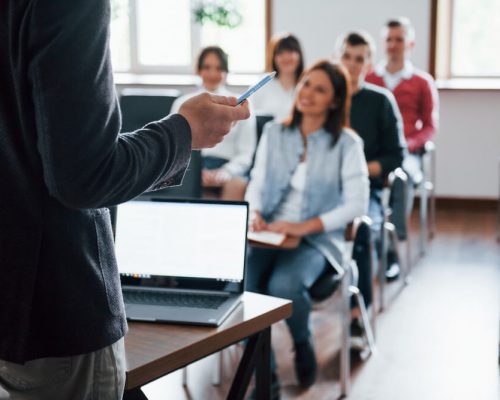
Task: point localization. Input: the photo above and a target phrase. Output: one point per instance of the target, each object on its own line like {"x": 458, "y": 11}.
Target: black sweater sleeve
{"x": 392, "y": 145}
{"x": 86, "y": 163}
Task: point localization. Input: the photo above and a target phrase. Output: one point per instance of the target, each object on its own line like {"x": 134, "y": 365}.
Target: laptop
{"x": 181, "y": 261}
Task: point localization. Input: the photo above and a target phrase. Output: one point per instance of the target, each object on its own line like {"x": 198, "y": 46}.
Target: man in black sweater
{"x": 62, "y": 160}
{"x": 375, "y": 117}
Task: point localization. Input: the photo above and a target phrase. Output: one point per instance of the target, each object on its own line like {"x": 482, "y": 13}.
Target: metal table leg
{"x": 134, "y": 394}
{"x": 257, "y": 355}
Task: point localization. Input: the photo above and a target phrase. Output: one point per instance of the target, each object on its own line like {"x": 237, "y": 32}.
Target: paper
{"x": 267, "y": 237}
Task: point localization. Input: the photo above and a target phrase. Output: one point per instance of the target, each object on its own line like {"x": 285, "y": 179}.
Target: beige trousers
{"x": 99, "y": 375}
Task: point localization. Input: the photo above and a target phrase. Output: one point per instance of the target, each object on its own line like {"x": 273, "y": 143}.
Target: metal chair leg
{"x": 345, "y": 362}
{"x": 408, "y": 247}
{"x": 406, "y": 261}
{"x": 383, "y": 266}
{"x": 388, "y": 234}
{"x": 217, "y": 371}
{"x": 365, "y": 319}
{"x": 428, "y": 198}
{"x": 423, "y": 217}
{"x": 432, "y": 231}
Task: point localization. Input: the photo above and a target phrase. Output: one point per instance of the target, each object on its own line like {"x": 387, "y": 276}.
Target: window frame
{"x": 136, "y": 68}
{"x": 440, "y": 57}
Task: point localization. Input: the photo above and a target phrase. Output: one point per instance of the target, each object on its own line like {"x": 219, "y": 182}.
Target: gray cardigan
{"x": 336, "y": 188}
{"x": 61, "y": 160}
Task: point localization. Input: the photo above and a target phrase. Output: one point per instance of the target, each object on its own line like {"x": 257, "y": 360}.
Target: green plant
{"x": 222, "y": 13}
{"x": 118, "y": 7}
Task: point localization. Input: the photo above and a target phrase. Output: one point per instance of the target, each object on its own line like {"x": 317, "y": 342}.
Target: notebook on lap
{"x": 181, "y": 261}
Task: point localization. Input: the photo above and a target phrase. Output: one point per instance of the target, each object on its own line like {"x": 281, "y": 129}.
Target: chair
{"x": 261, "y": 121}
{"x": 395, "y": 228}
{"x": 140, "y": 106}
{"x": 426, "y": 189}
{"x": 358, "y": 249}
{"x": 345, "y": 277}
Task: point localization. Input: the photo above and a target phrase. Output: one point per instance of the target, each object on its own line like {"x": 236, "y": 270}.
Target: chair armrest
{"x": 351, "y": 229}
{"x": 429, "y": 147}
{"x": 397, "y": 173}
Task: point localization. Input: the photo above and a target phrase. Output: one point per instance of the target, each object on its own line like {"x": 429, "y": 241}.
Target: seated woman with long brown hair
{"x": 310, "y": 180}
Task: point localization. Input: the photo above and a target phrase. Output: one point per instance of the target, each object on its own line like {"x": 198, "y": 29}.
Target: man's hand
{"x": 211, "y": 117}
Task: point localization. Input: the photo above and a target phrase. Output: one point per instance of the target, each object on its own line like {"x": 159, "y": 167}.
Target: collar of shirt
{"x": 405, "y": 73}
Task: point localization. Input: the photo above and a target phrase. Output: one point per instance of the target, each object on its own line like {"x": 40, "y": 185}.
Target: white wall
{"x": 468, "y": 142}
{"x": 318, "y": 23}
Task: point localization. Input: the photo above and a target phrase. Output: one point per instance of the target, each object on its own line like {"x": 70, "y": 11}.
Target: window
{"x": 468, "y": 39}
{"x": 120, "y": 35}
{"x": 161, "y": 36}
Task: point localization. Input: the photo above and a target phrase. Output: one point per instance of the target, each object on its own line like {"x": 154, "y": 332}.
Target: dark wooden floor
{"x": 438, "y": 339}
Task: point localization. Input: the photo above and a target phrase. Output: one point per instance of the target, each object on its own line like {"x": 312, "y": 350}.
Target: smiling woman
{"x": 309, "y": 180}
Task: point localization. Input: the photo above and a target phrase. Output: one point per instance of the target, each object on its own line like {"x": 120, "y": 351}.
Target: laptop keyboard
{"x": 173, "y": 299}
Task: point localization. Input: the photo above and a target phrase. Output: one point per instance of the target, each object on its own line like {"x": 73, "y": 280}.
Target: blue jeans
{"x": 363, "y": 261}
{"x": 287, "y": 274}
{"x": 376, "y": 214}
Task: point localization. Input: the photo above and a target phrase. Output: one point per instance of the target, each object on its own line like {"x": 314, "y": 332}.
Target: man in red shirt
{"x": 414, "y": 89}
{"x": 415, "y": 93}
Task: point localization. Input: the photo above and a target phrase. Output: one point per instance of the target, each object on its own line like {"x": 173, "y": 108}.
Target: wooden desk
{"x": 154, "y": 350}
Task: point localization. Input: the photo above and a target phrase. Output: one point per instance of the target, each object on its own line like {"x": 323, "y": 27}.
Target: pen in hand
{"x": 256, "y": 87}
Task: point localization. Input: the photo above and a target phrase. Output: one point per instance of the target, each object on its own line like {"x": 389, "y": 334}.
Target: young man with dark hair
{"x": 376, "y": 118}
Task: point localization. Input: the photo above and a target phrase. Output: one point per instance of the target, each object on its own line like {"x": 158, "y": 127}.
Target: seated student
{"x": 285, "y": 57}
{"x": 375, "y": 117}
{"x": 310, "y": 180}
{"x": 231, "y": 158}
{"x": 417, "y": 99}
{"x": 414, "y": 90}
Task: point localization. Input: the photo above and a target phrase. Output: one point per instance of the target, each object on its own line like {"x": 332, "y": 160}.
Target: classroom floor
{"x": 437, "y": 339}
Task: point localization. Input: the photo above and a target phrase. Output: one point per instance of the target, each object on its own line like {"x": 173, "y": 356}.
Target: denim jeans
{"x": 99, "y": 375}
{"x": 287, "y": 274}
{"x": 375, "y": 212}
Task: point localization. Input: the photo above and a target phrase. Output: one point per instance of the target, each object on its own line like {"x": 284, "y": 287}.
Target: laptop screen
{"x": 185, "y": 240}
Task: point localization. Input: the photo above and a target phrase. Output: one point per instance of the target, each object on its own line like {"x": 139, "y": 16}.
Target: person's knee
{"x": 253, "y": 282}
{"x": 288, "y": 288}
